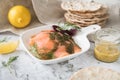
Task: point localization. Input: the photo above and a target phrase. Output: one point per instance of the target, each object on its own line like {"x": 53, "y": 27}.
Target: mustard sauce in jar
{"x": 107, "y": 52}
{"x": 107, "y": 45}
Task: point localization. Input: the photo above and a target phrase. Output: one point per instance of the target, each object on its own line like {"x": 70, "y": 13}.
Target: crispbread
{"x": 72, "y": 18}
{"x": 84, "y": 13}
{"x": 97, "y": 13}
{"x": 83, "y": 16}
{"x": 80, "y": 6}
{"x": 87, "y": 24}
{"x": 81, "y": 19}
{"x": 95, "y": 73}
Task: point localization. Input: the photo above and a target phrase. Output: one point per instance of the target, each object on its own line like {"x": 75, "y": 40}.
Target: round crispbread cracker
{"x": 80, "y": 19}
{"x": 95, "y": 73}
{"x": 102, "y": 23}
{"x": 99, "y": 13}
{"x": 83, "y": 16}
{"x": 81, "y": 6}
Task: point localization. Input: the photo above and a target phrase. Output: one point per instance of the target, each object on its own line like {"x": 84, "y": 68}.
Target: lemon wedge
{"x": 107, "y": 52}
{"x": 8, "y": 47}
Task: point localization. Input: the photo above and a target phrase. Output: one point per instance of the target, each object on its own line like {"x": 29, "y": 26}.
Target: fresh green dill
{"x": 55, "y": 47}
{"x": 49, "y": 55}
{"x": 70, "y": 48}
{"x": 5, "y": 39}
{"x": 46, "y": 56}
{"x": 7, "y": 64}
{"x": 68, "y": 26}
{"x": 52, "y": 36}
{"x": 66, "y": 37}
{"x": 59, "y": 38}
{"x": 4, "y": 64}
{"x": 62, "y": 40}
{"x": 33, "y": 49}
{"x": 10, "y": 60}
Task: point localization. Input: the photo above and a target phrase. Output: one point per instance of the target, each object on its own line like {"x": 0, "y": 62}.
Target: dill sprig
{"x": 68, "y": 26}
{"x": 5, "y": 39}
{"x": 10, "y": 60}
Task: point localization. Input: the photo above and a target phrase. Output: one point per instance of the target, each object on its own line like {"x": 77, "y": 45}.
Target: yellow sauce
{"x": 107, "y": 52}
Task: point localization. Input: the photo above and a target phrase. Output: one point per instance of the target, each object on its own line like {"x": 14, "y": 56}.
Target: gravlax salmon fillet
{"x": 50, "y": 44}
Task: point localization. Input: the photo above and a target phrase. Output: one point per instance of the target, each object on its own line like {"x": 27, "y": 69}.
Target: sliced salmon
{"x": 77, "y": 48}
{"x": 43, "y": 42}
{"x": 60, "y": 52}
{"x": 47, "y": 48}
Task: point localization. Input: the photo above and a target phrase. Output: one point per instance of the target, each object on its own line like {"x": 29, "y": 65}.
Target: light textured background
{"x": 25, "y": 68}
{"x": 49, "y": 12}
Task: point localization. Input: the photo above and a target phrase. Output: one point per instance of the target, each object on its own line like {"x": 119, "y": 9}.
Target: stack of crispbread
{"x": 85, "y": 13}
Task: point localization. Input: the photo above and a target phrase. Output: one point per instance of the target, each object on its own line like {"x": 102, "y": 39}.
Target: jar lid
{"x": 108, "y": 34}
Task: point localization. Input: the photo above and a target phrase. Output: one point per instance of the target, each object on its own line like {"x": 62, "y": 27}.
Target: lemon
{"x": 8, "y": 47}
{"x": 19, "y": 16}
{"x": 107, "y": 52}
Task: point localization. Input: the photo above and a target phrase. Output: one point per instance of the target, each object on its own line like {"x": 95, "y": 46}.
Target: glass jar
{"x": 107, "y": 45}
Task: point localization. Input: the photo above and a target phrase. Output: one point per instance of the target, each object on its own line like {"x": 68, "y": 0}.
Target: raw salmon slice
{"x": 43, "y": 42}
{"x": 48, "y": 48}
{"x": 60, "y": 52}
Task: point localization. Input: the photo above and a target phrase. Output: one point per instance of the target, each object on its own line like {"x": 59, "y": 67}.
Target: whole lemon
{"x": 19, "y": 16}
